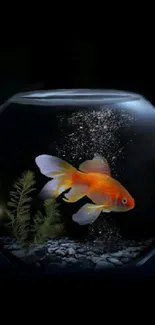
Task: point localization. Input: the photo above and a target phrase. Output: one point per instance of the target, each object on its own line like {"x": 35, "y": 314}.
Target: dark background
{"x": 76, "y": 62}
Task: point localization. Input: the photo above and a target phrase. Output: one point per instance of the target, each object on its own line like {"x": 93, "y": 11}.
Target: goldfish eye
{"x": 124, "y": 201}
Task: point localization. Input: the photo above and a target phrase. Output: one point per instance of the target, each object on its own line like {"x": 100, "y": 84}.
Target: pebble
{"x": 125, "y": 259}
{"x": 48, "y": 244}
{"x": 80, "y": 256}
{"x": 6, "y": 240}
{"x": 12, "y": 247}
{"x": 19, "y": 254}
{"x": 65, "y": 259}
{"x": 104, "y": 256}
{"x": 60, "y": 252}
{"x": 103, "y": 264}
{"x": 65, "y": 245}
{"x": 80, "y": 250}
{"x": 131, "y": 250}
{"x": 63, "y": 252}
{"x": 114, "y": 261}
{"x": 94, "y": 259}
{"x": 89, "y": 258}
{"x": 117, "y": 254}
{"x": 74, "y": 246}
{"x": 72, "y": 260}
{"x": 89, "y": 253}
{"x": 51, "y": 249}
{"x": 71, "y": 251}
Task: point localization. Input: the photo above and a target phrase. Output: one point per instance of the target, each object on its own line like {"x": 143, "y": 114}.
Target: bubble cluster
{"x": 86, "y": 132}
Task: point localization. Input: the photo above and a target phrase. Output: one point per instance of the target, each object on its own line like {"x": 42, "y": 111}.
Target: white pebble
{"x": 103, "y": 264}
{"x": 114, "y": 261}
{"x": 71, "y": 251}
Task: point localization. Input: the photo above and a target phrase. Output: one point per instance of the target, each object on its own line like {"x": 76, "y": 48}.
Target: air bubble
{"x": 98, "y": 133}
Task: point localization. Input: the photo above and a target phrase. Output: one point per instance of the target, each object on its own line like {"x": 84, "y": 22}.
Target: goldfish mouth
{"x": 133, "y": 205}
{"x": 131, "y": 208}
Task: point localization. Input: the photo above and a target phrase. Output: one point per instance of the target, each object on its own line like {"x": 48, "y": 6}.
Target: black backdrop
{"x": 76, "y": 62}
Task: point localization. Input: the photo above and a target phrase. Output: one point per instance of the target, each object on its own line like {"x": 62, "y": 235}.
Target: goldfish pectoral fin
{"x": 106, "y": 208}
{"x": 51, "y": 166}
{"x": 54, "y": 188}
{"x": 75, "y": 193}
{"x": 97, "y": 165}
{"x": 87, "y": 214}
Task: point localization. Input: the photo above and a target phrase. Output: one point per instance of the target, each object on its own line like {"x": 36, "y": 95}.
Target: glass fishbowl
{"x": 77, "y": 178}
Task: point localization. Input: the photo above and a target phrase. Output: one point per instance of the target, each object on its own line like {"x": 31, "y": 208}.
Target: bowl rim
{"x": 71, "y": 97}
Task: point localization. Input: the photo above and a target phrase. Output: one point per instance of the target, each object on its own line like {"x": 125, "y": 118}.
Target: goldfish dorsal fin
{"x": 97, "y": 165}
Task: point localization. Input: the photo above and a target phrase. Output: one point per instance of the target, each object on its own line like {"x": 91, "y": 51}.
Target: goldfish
{"x": 92, "y": 179}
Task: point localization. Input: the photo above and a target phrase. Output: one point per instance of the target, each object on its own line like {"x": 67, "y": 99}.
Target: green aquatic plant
{"x": 28, "y": 230}
{"x": 47, "y": 225}
{"x": 19, "y": 207}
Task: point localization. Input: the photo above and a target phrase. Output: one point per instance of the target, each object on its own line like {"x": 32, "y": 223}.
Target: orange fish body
{"x": 93, "y": 179}
{"x": 103, "y": 185}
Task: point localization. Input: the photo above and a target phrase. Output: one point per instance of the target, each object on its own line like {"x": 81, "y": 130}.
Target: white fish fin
{"x": 105, "y": 211}
{"x": 76, "y": 193}
{"x": 54, "y": 188}
{"x": 51, "y": 166}
{"x": 87, "y": 214}
{"x": 97, "y": 165}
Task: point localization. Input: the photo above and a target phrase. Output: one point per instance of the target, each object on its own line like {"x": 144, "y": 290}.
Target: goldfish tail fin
{"x": 87, "y": 214}
{"x": 55, "y": 187}
{"x": 59, "y": 170}
{"x": 51, "y": 166}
